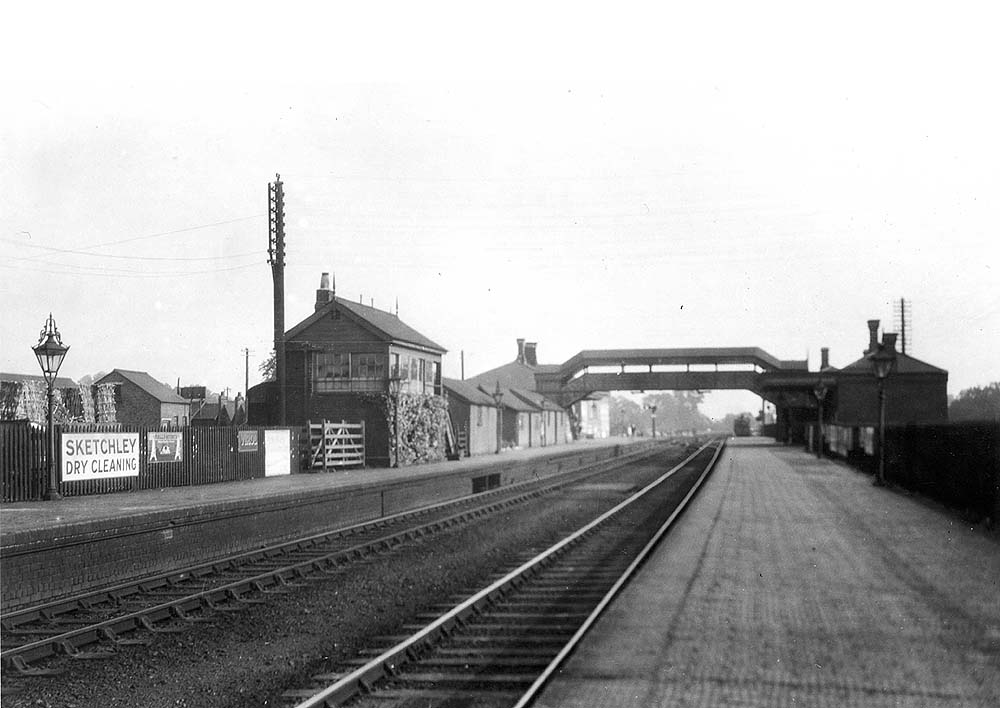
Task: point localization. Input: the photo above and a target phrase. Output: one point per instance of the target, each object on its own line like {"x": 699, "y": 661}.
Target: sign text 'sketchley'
{"x": 99, "y": 455}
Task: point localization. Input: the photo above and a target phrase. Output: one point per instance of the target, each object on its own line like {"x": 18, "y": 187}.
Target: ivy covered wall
{"x": 423, "y": 420}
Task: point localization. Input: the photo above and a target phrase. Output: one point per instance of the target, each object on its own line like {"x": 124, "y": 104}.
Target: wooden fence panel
{"x": 209, "y": 455}
{"x": 22, "y": 460}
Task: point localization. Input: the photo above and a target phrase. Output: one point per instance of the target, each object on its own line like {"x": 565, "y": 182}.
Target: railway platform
{"x": 792, "y": 581}
{"x": 51, "y": 549}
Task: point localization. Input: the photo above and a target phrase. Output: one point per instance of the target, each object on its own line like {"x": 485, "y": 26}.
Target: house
{"x": 473, "y": 415}
{"x": 219, "y": 413}
{"x": 142, "y": 400}
{"x": 338, "y": 366}
{"x": 518, "y": 376}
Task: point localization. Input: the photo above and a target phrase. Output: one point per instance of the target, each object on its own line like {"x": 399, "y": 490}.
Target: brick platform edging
{"x": 54, "y": 564}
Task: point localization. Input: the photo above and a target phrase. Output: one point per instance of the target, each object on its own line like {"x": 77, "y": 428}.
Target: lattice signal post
{"x": 903, "y": 320}
{"x": 276, "y": 258}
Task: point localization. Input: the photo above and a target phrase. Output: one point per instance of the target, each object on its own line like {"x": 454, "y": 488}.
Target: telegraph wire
{"x": 175, "y": 231}
{"x": 90, "y": 271}
{"x": 131, "y": 258}
{"x": 155, "y": 235}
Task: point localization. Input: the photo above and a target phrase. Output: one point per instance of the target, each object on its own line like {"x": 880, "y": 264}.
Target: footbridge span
{"x": 739, "y": 368}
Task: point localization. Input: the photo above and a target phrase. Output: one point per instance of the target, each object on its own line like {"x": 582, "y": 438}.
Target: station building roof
{"x": 467, "y": 392}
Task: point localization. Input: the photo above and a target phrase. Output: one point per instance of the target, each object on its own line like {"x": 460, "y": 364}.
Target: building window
{"x": 332, "y": 371}
{"x": 368, "y": 367}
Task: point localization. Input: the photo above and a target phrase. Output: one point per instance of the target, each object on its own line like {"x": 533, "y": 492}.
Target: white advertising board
{"x": 277, "y": 448}
{"x": 99, "y": 455}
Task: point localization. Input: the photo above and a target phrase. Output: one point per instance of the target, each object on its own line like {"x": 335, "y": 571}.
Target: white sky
{"x": 738, "y": 175}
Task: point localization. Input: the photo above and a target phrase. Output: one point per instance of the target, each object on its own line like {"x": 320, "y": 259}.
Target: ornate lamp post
{"x": 498, "y": 399}
{"x": 652, "y": 415}
{"x": 820, "y": 392}
{"x": 395, "y": 386}
{"x": 883, "y": 362}
{"x": 50, "y": 352}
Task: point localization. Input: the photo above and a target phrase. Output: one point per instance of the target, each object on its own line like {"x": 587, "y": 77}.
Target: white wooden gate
{"x": 336, "y": 444}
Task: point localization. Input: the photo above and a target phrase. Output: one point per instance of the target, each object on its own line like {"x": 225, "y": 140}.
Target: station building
{"x": 531, "y": 418}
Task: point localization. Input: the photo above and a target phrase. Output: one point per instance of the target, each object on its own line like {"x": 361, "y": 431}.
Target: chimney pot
{"x": 531, "y": 353}
{"x": 872, "y": 336}
{"x": 324, "y": 295}
{"x": 520, "y": 351}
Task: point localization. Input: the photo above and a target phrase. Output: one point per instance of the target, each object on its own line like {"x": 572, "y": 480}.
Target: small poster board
{"x": 246, "y": 441}
{"x": 166, "y": 447}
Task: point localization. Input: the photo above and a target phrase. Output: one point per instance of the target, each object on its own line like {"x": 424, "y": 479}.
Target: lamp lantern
{"x": 50, "y": 352}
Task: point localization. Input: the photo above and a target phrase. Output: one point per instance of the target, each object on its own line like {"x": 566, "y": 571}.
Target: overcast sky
{"x": 769, "y": 177}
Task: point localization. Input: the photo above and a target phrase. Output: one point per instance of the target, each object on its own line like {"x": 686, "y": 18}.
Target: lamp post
{"x": 883, "y": 362}
{"x": 50, "y": 352}
{"x": 395, "y": 386}
{"x": 498, "y": 399}
{"x": 820, "y": 392}
{"x": 652, "y": 415}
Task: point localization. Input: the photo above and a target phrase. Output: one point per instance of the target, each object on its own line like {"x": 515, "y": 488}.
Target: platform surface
{"x": 793, "y": 581}
{"x": 20, "y": 518}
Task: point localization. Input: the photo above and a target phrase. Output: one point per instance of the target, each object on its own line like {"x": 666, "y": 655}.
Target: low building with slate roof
{"x": 591, "y": 414}
{"x": 474, "y": 415}
{"x": 142, "y": 400}
{"x": 915, "y": 391}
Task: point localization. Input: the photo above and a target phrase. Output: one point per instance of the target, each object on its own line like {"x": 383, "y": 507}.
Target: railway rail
{"x": 92, "y": 625}
{"x": 499, "y": 646}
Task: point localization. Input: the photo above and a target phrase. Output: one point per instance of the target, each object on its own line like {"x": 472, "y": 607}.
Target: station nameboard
{"x": 99, "y": 455}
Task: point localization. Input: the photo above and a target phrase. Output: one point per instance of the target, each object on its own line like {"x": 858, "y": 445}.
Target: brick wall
{"x": 42, "y": 566}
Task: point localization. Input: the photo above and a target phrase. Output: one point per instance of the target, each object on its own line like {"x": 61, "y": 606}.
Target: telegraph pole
{"x": 246, "y": 371}
{"x": 276, "y": 257}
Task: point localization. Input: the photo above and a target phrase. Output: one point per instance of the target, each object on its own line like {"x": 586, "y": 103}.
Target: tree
{"x": 976, "y": 403}
{"x": 89, "y": 379}
{"x": 267, "y": 367}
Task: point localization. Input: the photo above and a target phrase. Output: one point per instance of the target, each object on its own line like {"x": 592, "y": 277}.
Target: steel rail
{"x": 388, "y": 662}
{"x": 543, "y": 679}
{"x": 71, "y": 641}
{"x": 112, "y": 593}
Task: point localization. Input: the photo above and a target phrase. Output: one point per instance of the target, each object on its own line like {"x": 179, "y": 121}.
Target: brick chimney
{"x": 520, "y": 351}
{"x": 872, "y": 336}
{"x": 889, "y": 340}
{"x": 325, "y": 294}
{"x": 530, "y": 353}
{"x": 824, "y": 358}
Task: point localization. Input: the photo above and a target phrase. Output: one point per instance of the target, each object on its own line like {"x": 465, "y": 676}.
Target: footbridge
{"x": 737, "y": 368}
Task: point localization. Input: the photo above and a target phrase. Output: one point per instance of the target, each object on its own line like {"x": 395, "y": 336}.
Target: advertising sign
{"x": 246, "y": 440}
{"x": 99, "y": 455}
{"x": 166, "y": 447}
{"x": 277, "y": 449}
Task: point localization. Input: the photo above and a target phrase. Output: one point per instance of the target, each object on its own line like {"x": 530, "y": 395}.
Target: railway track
{"x": 93, "y": 625}
{"x": 499, "y": 646}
